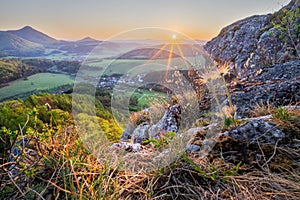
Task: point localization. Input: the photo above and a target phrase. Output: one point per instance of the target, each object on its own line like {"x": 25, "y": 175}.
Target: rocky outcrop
{"x": 255, "y": 142}
{"x": 136, "y": 132}
{"x": 267, "y": 70}
{"x": 277, "y": 85}
{"x": 236, "y": 42}
{"x": 264, "y": 52}
{"x": 255, "y": 42}
{"x": 252, "y": 132}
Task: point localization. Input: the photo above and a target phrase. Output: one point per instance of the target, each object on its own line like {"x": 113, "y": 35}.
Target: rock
{"x": 156, "y": 130}
{"x": 254, "y": 42}
{"x": 255, "y": 141}
{"x": 170, "y": 122}
{"x": 130, "y": 147}
{"x": 257, "y": 131}
{"x": 193, "y": 148}
{"x": 237, "y": 41}
{"x": 140, "y": 133}
{"x": 25, "y": 153}
{"x": 277, "y": 84}
{"x": 126, "y": 135}
{"x": 137, "y": 119}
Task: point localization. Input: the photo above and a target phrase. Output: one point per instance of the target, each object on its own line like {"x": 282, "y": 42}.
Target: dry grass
{"x": 262, "y": 110}
{"x": 68, "y": 171}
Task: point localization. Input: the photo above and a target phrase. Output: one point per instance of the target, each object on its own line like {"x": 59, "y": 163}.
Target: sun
{"x": 174, "y": 36}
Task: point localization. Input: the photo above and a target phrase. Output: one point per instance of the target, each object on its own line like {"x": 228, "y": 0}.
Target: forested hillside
{"x": 12, "y": 69}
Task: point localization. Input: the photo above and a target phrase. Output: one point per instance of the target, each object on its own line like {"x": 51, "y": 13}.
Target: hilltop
{"x": 32, "y": 35}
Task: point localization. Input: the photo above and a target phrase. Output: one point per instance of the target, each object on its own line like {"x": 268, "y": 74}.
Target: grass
{"x": 70, "y": 172}
{"x": 41, "y": 81}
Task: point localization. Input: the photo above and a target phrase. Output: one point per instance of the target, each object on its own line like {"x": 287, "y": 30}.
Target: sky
{"x": 102, "y": 19}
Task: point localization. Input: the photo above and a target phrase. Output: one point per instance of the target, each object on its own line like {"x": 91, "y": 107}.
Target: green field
{"x": 130, "y": 66}
{"x": 145, "y": 97}
{"x": 41, "y": 81}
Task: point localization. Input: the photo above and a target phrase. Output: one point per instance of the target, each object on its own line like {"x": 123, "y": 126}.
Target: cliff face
{"x": 259, "y": 40}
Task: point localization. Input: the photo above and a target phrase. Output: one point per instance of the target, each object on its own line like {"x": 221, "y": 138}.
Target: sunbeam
{"x": 157, "y": 53}
{"x": 182, "y": 55}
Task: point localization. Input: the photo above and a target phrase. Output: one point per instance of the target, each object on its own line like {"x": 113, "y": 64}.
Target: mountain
{"x": 87, "y": 39}
{"x": 25, "y": 42}
{"x": 13, "y": 45}
{"x": 32, "y": 35}
{"x": 82, "y": 46}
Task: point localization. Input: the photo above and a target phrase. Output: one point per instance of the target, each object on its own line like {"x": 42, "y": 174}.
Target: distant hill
{"x": 187, "y": 50}
{"x": 82, "y": 46}
{"x": 11, "y": 44}
{"x": 147, "y": 53}
{"x": 87, "y": 39}
{"x": 32, "y": 35}
{"x": 163, "y": 52}
{"x": 29, "y": 42}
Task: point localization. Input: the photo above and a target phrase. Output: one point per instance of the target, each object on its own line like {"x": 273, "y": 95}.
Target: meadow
{"x": 40, "y": 81}
{"x": 131, "y": 66}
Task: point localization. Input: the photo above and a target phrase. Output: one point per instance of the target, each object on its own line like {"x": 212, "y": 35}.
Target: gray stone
{"x": 140, "y": 133}
{"x": 283, "y": 91}
{"x": 257, "y": 131}
{"x": 130, "y": 147}
{"x": 193, "y": 148}
{"x": 170, "y": 122}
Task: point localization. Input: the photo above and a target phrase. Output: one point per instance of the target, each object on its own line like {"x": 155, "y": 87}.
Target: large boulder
{"x": 264, "y": 56}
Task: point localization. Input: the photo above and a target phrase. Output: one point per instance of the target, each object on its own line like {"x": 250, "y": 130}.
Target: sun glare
{"x": 174, "y": 36}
